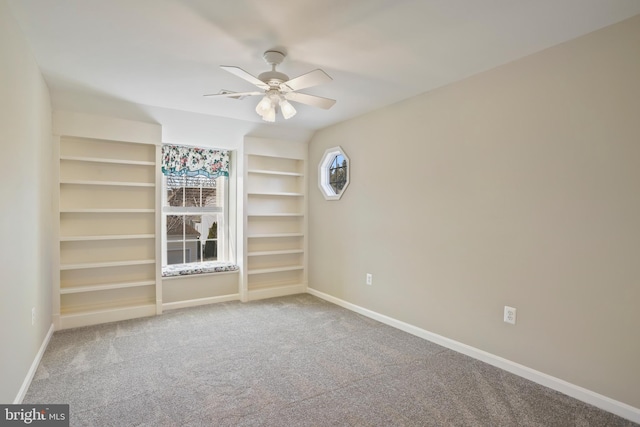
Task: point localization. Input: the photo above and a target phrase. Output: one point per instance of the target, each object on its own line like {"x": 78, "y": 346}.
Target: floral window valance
{"x": 193, "y": 161}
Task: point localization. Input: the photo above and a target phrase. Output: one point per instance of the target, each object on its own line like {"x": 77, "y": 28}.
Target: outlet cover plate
{"x": 509, "y": 315}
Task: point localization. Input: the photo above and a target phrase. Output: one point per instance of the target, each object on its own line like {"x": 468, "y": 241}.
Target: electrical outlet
{"x": 509, "y": 315}
{"x": 33, "y": 316}
{"x": 369, "y": 279}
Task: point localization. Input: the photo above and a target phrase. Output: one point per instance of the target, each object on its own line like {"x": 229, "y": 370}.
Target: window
{"x": 193, "y": 214}
{"x": 333, "y": 173}
{"x": 194, "y": 211}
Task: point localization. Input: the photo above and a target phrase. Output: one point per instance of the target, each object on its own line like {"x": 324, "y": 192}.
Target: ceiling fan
{"x": 278, "y": 89}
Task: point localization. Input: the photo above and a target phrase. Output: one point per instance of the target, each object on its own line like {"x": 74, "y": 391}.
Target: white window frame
{"x": 324, "y": 175}
{"x": 221, "y": 213}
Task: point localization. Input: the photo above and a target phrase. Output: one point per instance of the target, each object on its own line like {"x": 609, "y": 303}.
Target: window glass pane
{"x": 341, "y": 178}
{"x": 175, "y": 227}
{"x": 209, "y": 237}
{"x": 174, "y": 186}
{"x": 208, "y": 197}
{"x": 338, "y": 173}
{"x": 192, "y": 196}
{"x": 192, "y": 226}
{"x": 210, "y": 250}
{"x": 175, "y": 242}
{"x": 175, "y": 254}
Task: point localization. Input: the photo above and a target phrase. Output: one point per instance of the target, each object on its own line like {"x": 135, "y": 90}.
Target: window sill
{"x": 179, "y": 270}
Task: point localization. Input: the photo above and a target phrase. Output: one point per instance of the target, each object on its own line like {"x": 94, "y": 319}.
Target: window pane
{"x": 175, "y": 255}
{"x": 210, "y": 250}
{"x": 338, "y": 174}
{"x": 209, "y": 237}
{"x": 175, "y": 242}
{"x": 175, "y": 227}
{"x": 192, "y": 196}
{"x": 174, "y": 186}
{"x": 341, "y": 178}
{"x": 192, "y": 227}
{"x": 208, "y": 197}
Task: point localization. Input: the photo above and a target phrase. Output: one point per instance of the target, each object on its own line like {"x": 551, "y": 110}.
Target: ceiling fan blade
{"x": 312, "y": 78}
{"x": 246, "y": 76}
{"x": 230, "y": 94}
{"x": 313, "y": 100}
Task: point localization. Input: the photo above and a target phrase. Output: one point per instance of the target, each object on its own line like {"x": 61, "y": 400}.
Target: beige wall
{"x": 25, "y": 206}
{"x": 519, "y": 186}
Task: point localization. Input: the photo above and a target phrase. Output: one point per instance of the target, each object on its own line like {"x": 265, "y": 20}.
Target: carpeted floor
{"x": 291, "y": 361}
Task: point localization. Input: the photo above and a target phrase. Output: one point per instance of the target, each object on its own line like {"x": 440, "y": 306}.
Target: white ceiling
{"x": 166, "y": 53}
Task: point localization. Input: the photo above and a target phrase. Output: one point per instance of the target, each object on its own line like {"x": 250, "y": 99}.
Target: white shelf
{"x": 281, "y": 252}
{"x": 108, "y": 248}
{"x": 107, "y": 237}
{"x": 106, "y": 308}
{"x": 77, "y": 317}
{"x": 109, "y": 183}
{"x": 275, "y": 269}
{"x": 270, "y": 235}
{"x": 275, "y": 223}
{"x": 113, "y": 161}
{"x": 107, "y": 210}
{"x": 276, "y": 194}
{"x": 94, "y": 288}
{"x": 276, "y": 290}
{"x": 86, "y": 265}
{"x": 275, "y": 215}
{"x": 272, "y": 172}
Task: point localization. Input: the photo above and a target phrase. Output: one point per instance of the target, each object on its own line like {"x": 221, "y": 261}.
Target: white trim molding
{"x": 598, "y": 400}
{"x": 34, "y": 367}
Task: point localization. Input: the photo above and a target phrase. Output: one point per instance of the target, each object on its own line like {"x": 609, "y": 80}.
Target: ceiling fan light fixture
{"x": 269, "y": 115}
{"x": 264, "y": 106}
{"x": 287, "y": 109}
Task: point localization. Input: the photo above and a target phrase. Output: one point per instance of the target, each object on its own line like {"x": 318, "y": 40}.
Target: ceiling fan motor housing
{"x": 273, "y": 78}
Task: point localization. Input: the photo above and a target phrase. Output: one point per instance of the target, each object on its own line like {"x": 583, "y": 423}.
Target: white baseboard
{"x": 34, "y": 366}
{"x": 603, "y": 402}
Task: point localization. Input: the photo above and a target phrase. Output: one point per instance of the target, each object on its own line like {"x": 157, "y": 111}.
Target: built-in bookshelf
{"x": 275, "y": 226}
{"x": 107, "y": 231}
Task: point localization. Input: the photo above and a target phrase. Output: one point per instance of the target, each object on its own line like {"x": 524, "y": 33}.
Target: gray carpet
{"x": 292, "y": 361}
